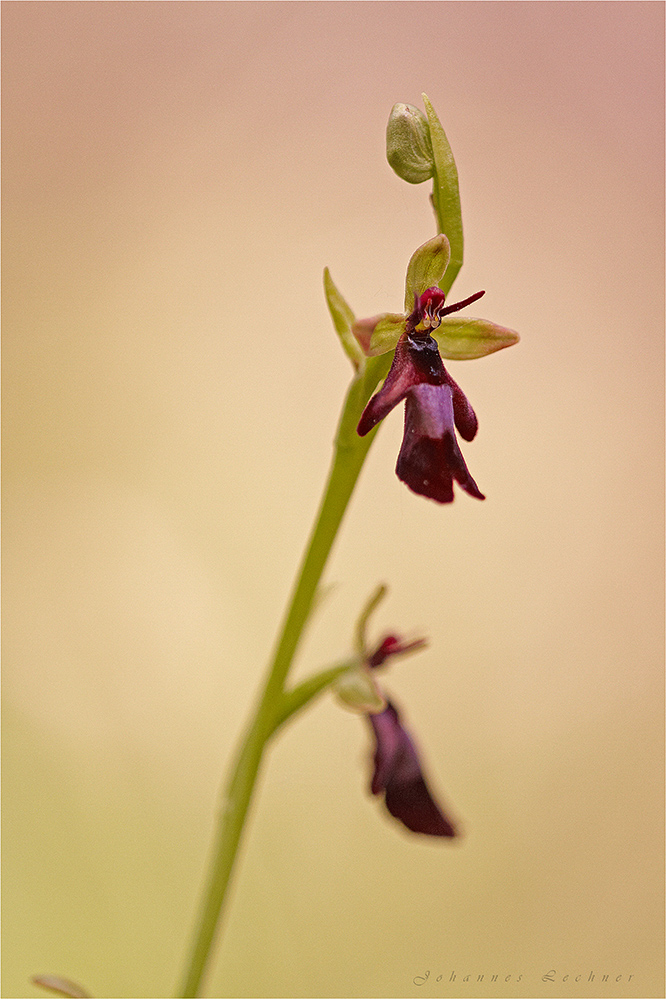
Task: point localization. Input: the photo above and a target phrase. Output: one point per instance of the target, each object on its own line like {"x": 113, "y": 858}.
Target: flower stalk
{"x": 276, "y": 704}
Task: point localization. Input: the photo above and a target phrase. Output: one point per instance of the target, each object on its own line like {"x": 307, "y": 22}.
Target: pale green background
{"x": 177, "y": 175}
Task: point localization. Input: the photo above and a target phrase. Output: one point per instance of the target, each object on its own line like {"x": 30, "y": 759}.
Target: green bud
{"x": 408, "y": 146}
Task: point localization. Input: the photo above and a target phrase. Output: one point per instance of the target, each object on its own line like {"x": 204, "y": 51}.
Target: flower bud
{"x": 408, "y": 146}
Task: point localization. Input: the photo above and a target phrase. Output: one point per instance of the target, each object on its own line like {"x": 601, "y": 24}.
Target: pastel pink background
{"x": 176, "y": 176}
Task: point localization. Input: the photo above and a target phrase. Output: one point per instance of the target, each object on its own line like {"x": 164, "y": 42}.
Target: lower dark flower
{"x": 399, "y": 775}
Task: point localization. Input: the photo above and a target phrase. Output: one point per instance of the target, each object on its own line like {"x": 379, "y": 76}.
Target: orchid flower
{"x": 430, "y": 458}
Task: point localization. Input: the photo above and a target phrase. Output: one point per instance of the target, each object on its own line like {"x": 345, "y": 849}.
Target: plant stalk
{"x": 275, "y": 705}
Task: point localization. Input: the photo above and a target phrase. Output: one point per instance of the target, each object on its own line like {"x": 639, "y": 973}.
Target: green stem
{"x": 445, "y": 195}
{"x": 274, "y": 705}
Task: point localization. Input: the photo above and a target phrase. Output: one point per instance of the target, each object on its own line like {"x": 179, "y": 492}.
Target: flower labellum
{"x": 398, "y": 773}
{"x": 430, "y": 459}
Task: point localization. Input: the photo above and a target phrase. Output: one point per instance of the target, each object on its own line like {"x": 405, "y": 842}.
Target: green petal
{"x": 445, "y": 194}
{"x": 463, "y": 338}
{"x": 426, "y": 268}
{"x": 343, "y": 318}
{"x": 386, "y": 333}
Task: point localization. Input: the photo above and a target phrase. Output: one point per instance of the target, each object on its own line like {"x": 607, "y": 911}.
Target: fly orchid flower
{"x": 397, "y": 768}
{"x": 430, "y": 458}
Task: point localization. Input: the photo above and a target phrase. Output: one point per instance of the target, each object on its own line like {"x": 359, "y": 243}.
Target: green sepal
{"x": 408, "y": 146}
{"x": 343, "y": 319}
{"x": 426, "y": 268}
{"x": 445, "y": 194}
{"x": 386, "y": 333}
{"x": 461, "y": 338}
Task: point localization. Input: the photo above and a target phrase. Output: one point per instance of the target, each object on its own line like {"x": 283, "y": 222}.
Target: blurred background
{"x": 176, "y": 177}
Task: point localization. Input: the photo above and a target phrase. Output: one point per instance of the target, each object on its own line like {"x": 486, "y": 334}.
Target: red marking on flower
{"x": 392, "y": 646}
{"x": 429, "y": 309}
